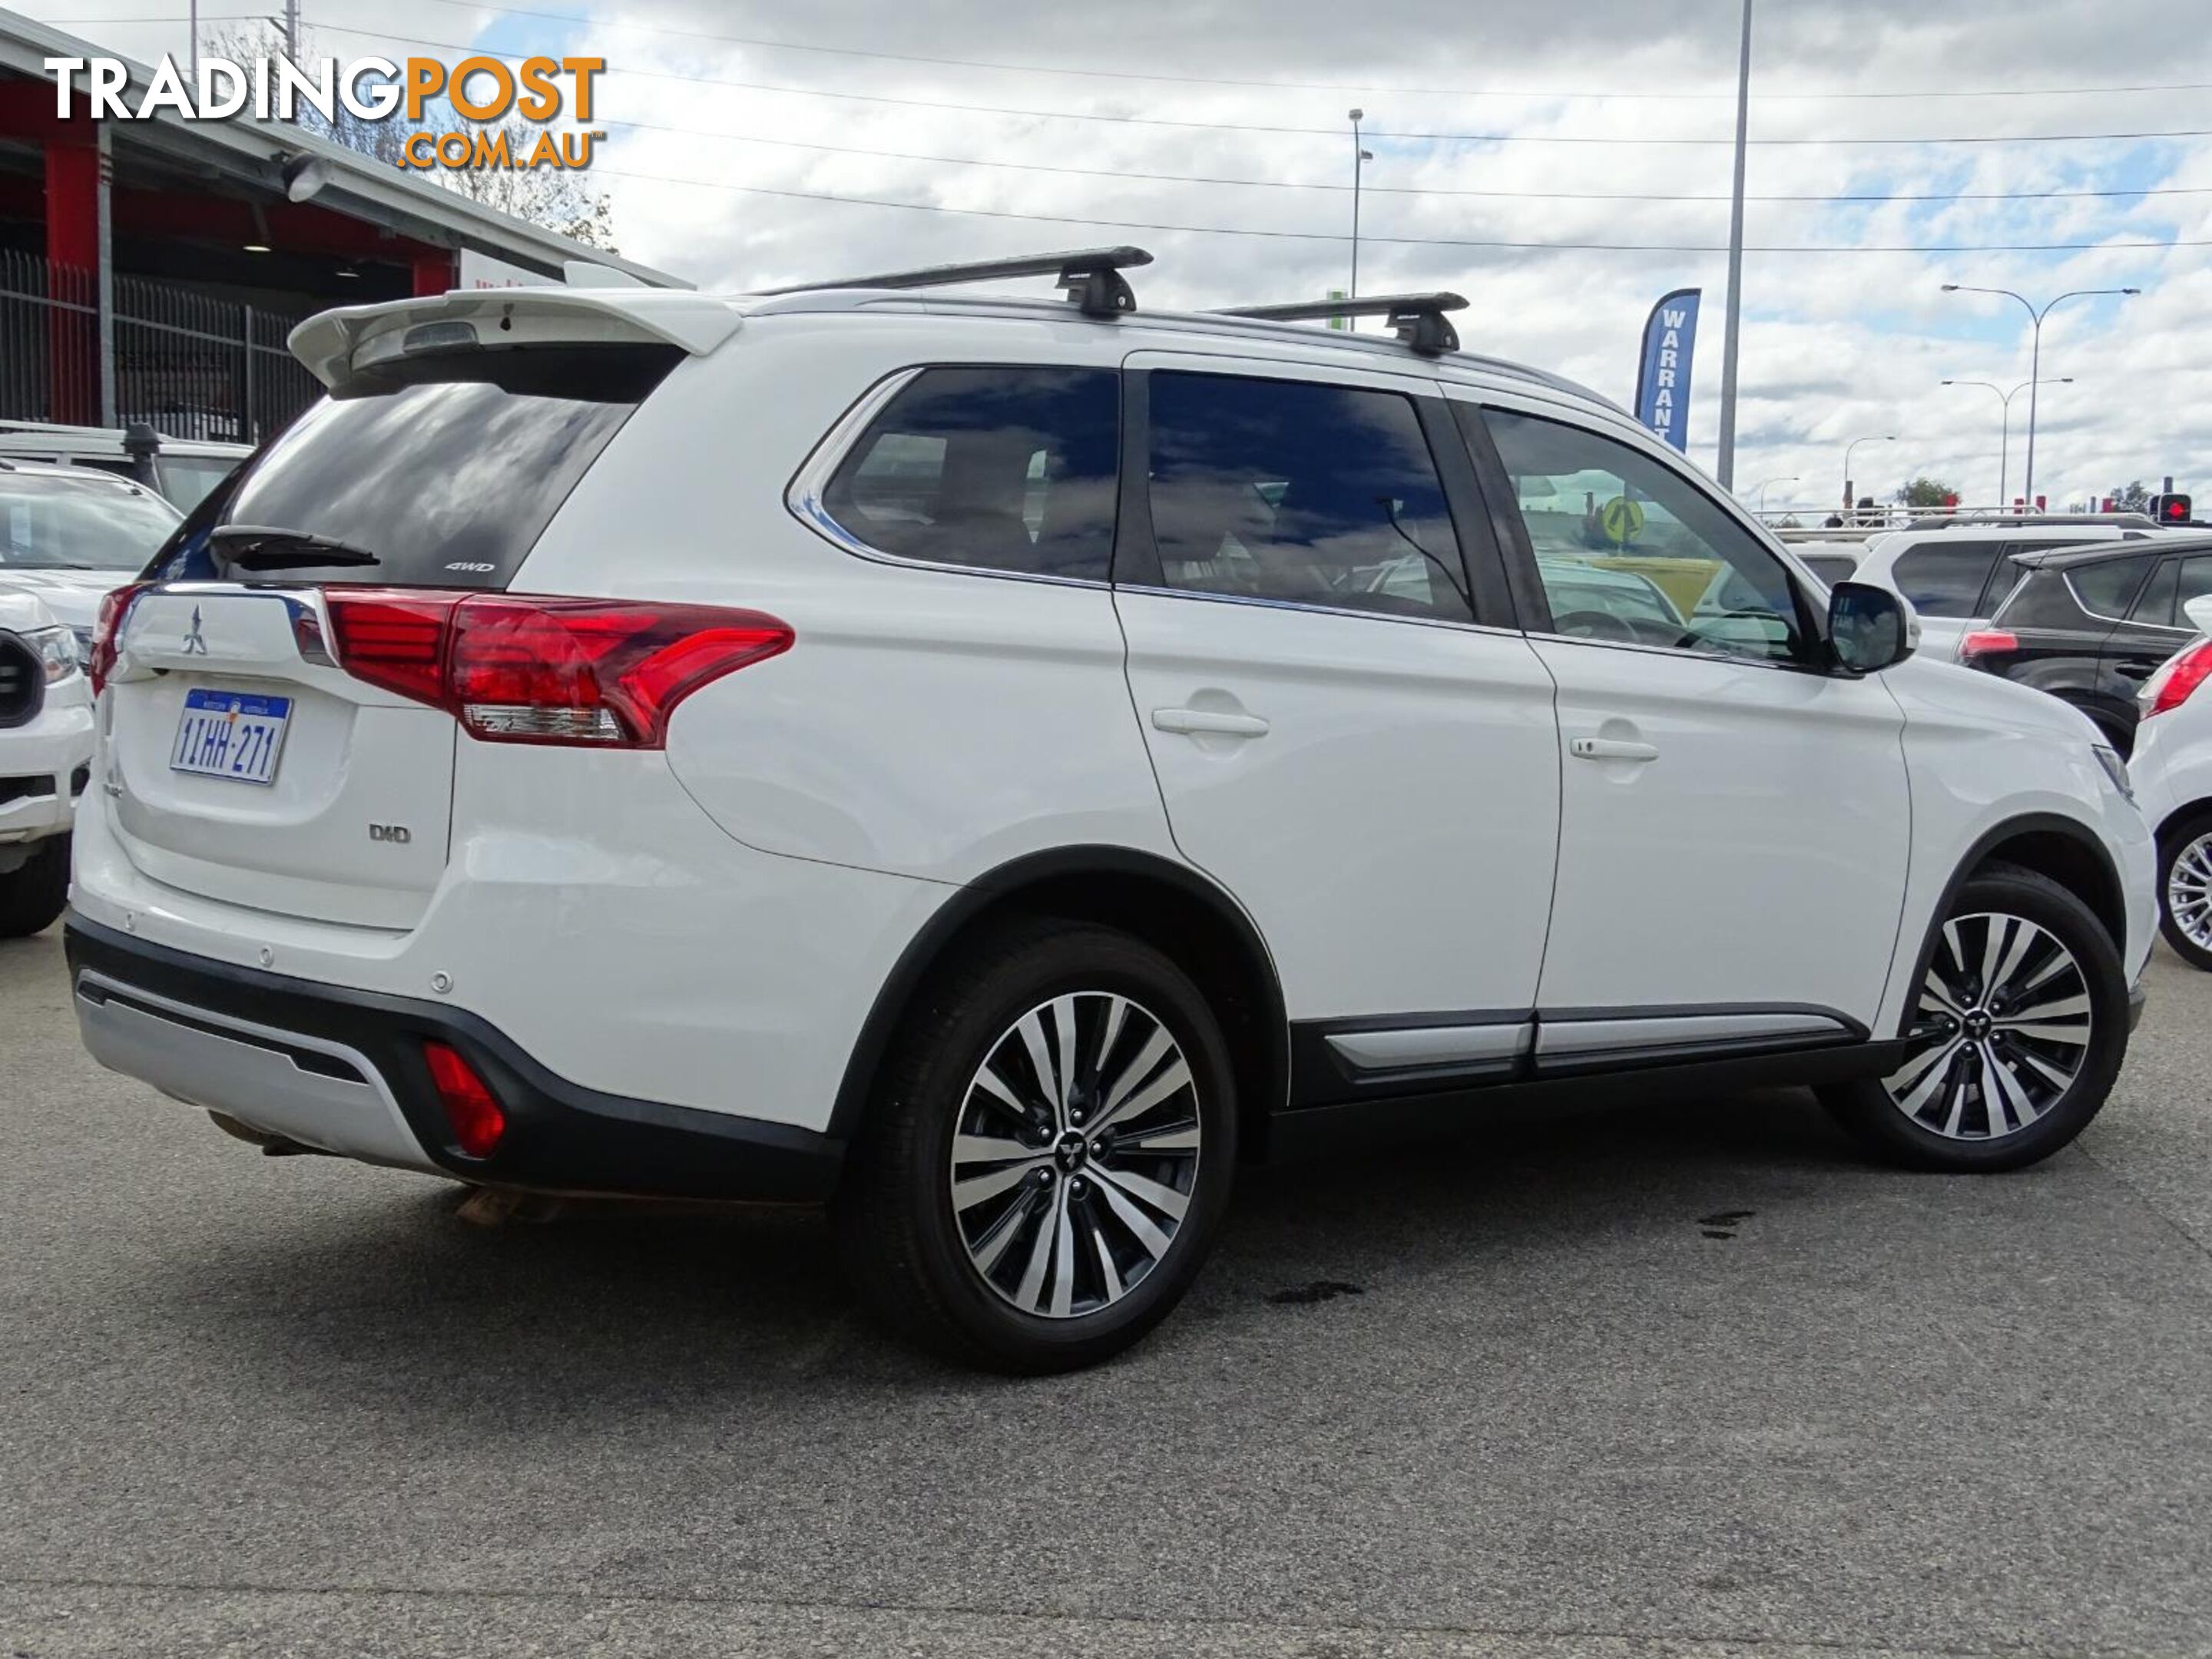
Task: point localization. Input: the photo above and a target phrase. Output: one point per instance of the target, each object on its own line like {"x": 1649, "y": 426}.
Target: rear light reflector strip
{"x": 472, "y": 1112}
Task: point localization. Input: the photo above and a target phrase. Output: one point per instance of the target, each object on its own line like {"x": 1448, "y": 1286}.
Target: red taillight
{"x": 394, "y": 638}
{"x": 521, "y": 669}
{"x": 1987, "y": 642}
{"x": 474, "y": 1115}
{"x": 114, "y": 611}
{"x": 2169, "y": 687}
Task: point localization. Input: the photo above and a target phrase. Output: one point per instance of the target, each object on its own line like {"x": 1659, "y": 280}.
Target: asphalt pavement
{"x": 1692, "y": 1381}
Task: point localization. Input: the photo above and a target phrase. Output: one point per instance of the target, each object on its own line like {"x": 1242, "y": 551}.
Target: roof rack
{"x": 2032, "y": 520}
{"x": 1416, "y": 319}
{"x": 1092, "y": 276}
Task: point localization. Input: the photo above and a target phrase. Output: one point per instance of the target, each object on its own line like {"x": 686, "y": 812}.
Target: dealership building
{"x": 151, "y": 269}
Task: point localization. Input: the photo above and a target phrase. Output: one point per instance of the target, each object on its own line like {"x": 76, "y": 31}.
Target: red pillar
{"x": 433, "y": 270}
{"x": 73, "y": 257}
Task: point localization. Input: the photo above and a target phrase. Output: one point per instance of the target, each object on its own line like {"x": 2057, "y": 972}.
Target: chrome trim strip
{"x": 1430, "y": 1045}
{"x": 1557, "y": 1035}
{"x": 249, "y": 1076}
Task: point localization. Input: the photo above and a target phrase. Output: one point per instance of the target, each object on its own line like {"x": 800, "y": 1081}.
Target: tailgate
{"x": 216, "y": 686}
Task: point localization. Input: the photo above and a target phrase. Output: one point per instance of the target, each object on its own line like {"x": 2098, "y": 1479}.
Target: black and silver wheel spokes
{"x": 2188, "y": 892}
{"x": 1076, "y": 1154}
{"x": 2001, "y": 1032}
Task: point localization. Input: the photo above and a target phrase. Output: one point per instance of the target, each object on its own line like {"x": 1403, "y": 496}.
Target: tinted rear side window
{"x": 2105, "y": 589}
{"x": 1945, "y": 579}
{"x": 1008, "y": 469}
{"x": 1829, "y": 568}
{"x": 447, "y": 468}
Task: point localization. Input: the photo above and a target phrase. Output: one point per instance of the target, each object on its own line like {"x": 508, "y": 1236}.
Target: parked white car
{"x": 46, "y": 755}
{"x": 1958, "y": 574}
{"x": 69, "y": 535}
{"x": 183, "y": 469}
{"x": 995, "y": 765}
{"x": 2173, "y": 771}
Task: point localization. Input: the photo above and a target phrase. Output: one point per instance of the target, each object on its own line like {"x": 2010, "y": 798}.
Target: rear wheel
{"x": 2019, "y": 1027}
{"x": 1049, "y": 1152}
{"x": 35, "y": 892}
{"x": 2185, "y": 889}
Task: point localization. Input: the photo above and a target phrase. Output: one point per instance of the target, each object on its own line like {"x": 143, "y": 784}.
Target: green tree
{"x": 2131, "y": 497}
{"x": 1926, "y": 492}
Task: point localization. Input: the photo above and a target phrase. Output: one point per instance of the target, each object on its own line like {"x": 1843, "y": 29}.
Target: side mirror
{"x": 1869, "y": 628}
{"x": 2199, "y": 612}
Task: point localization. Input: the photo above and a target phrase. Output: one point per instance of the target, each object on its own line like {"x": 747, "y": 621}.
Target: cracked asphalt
{"x": 1691, "y": 1381}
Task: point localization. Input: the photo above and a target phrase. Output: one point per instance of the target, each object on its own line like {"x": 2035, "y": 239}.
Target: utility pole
{"x": 1735, "y": 259}
{"x": 292, "y": 29}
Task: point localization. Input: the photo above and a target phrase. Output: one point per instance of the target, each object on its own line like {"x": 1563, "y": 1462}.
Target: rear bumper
{"x": 343, "y": 1071}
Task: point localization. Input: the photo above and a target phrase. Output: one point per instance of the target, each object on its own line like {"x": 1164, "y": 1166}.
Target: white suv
{"x": 46, "y": 761}
{"x": 994, "y": 764}
{"x": 1957, "y": 574}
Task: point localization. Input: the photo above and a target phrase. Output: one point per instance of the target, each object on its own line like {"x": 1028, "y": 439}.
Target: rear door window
{"x": 1945, "y": 579}
{"x": 2106, "y": 588}
{"x": 1009, "y": 469}
{"x": 1302, "y": 494}
{"x": 447, "y": 468}
{"x": 2155, "y": 606}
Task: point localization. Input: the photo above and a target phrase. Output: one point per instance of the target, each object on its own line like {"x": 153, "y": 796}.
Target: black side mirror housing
{"x": 1869, "y": 628}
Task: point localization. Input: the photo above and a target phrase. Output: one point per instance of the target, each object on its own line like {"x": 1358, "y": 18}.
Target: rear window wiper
{"x": 270, "y": 547}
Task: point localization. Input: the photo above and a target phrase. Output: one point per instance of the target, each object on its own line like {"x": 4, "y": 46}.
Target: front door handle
{"x": 1210, "y": 721}
{"x": 1612, "y": 749}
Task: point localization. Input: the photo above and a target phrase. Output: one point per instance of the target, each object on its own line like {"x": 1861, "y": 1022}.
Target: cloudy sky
{"x": 1562, "y": 165}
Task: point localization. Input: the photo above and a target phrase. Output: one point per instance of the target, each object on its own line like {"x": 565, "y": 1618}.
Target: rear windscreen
{"x": 445, "y": 468}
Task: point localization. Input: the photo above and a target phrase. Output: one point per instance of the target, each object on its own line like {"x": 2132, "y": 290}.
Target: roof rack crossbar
{"x": 1092, "y": 276}
{"x": 1417, "y": 318}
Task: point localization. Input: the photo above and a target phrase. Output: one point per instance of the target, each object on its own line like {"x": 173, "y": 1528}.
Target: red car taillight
{"x": 1987, "y": 642}
{"x": 515, "y": 668}
{"x": 473, "y": 1113}
{"x": 2169, "y": 687}
{"x": 114, "y": 611}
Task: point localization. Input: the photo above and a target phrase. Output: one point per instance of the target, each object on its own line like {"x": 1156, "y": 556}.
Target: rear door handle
{"x": 1612, "y": 749}
{"x": 1190, "y": 721}
{"x": 2134, "y": 671}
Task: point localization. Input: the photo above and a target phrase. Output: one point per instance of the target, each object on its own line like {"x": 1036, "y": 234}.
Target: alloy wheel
{"x": 1075, "y": 1156}
{"x": 2189, "y": 891}
{"x": 2001, "y": 1032}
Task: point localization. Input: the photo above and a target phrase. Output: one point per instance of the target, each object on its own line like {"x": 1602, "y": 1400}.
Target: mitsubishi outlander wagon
{"x": 994, "y": 765}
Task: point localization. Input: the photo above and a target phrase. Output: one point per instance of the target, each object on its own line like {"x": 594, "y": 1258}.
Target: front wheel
{"x": 2018, "y": 1030}
{"x": 2184, "y": 891}
{"x": 1048, "y": 1153}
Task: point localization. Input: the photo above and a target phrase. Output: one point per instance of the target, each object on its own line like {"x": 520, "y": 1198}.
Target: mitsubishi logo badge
{"x": 194, "y": 645}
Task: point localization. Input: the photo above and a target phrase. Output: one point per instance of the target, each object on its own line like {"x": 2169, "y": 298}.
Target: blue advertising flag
{"x": 1662, "y": 375}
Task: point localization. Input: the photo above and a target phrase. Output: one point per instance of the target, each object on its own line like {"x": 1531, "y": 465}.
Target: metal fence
{"x": 188, "y": 364}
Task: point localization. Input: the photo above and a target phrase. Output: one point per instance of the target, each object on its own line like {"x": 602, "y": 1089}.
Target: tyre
{"x": 1050, "y": 1148}
{"x": 35, "y": 892}
{"x": 2185, "y": 889}
{"x": 2019, "y": 1028}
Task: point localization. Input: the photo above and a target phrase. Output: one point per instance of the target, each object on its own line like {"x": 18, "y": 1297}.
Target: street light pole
{"x": 1871, "y": 438}
{"x": 2004, "y": 441}
{"x": 1759, "y": 494}
{"x": 2035, "y": 354}
{"x": 1728, "y": 341}
{"x": 1359, "y": 159}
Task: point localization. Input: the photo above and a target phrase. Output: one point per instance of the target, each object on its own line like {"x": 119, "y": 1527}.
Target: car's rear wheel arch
{"x": 2060, "y": 848}
{"x": 1175, "y": 908}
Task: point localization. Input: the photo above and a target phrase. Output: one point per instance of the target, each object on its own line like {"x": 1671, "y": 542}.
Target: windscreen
{"x": 78, "y": 524}
{"x": 445, "y": 468}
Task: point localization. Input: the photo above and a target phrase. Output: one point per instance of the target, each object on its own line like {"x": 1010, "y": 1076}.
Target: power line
{"x": 1421, "y": 190}
{"x": 1402, "y": 241}
{"x": 1640, "y": 142}
{"x": 1293, "y": 86}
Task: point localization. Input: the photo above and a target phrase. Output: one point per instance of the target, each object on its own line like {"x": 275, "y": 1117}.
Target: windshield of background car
{"x": 69, "y": 524}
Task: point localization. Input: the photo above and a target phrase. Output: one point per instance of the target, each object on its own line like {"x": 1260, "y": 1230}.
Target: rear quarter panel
{"x": 925, "y": 722}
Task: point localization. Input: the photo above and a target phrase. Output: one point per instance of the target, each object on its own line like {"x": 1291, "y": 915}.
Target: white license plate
{"x": 231, "y": 734}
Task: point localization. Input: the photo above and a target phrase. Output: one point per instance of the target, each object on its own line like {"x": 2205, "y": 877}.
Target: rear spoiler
{"x": 334, "y": 344}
